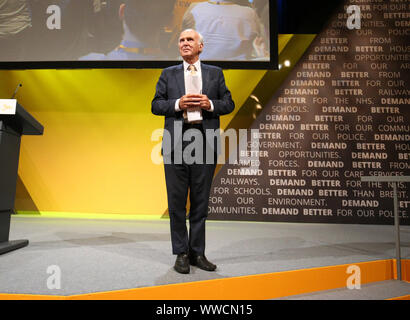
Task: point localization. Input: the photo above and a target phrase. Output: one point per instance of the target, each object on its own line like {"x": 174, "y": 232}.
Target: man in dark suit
{"x": 191, "y": 96}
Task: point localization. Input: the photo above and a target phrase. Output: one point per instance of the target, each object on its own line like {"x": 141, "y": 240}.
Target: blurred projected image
{"x": 134, "y": 30}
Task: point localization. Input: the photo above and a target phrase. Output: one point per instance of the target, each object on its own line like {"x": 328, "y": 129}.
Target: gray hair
{"x": 201, "y": 38}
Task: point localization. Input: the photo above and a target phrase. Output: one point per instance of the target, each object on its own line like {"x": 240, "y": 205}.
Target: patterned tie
{"x": 193, "y": 72}
{"x": 192, "y": 68}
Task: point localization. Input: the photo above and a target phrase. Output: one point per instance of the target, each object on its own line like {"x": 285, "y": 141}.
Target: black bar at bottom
{"x": 221, "y": 309}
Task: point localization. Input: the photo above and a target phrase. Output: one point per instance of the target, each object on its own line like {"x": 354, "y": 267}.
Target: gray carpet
{"x": 372, "y": 291}
{"x": 105, "y": 255}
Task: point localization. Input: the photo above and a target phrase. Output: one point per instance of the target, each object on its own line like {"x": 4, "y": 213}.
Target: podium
{"x": 12, "y": 127}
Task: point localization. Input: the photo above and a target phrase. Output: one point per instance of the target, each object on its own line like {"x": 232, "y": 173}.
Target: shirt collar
{"x": 196, "y": 64}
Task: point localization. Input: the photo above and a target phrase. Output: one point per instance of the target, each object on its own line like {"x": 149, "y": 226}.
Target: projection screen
{"x": 135, "y": 33}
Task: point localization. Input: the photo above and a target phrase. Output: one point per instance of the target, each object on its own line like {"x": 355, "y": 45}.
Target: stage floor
{"x": 106, "y": 255}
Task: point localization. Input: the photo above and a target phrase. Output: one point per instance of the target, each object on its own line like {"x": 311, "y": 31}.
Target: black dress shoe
{"x": 182, "y": 263}
{"x": 202, "y": 263}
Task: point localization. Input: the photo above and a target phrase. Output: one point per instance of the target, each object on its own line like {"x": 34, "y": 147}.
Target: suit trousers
{"x": 197, "y": 179}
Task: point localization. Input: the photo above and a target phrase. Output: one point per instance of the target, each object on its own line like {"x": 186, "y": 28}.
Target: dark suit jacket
{"x": 171, "y": 87}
